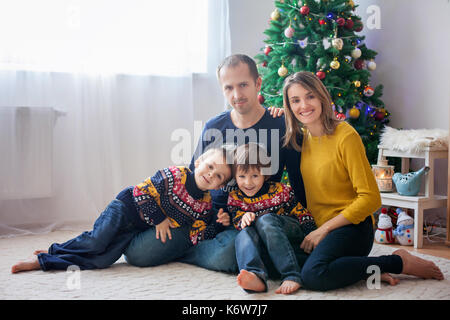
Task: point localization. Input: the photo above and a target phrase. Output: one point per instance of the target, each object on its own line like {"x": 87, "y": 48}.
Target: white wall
{"x": 413, "y": 61}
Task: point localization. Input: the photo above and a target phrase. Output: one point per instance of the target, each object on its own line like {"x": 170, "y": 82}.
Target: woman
{"x": 328, "y": 157}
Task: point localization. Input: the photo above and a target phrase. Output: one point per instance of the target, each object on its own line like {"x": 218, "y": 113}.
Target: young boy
{"x": 264, "y": 211}
{"x": 173, "y": 197}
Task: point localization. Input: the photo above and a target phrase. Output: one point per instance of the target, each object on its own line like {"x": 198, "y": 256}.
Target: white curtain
{"x": 71, "y": 140}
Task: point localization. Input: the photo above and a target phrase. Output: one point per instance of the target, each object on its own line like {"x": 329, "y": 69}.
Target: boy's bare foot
{"x": 386, "y": 277}
{"x": 288, "y": 287}
{"x": 28, "y": 265}
{"x": 415, "y": 266}
{"x": 40, "y": 251}
{"x": 250, "y": 281}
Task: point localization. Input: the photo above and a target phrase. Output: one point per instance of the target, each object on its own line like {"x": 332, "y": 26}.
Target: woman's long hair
{"x": 294, "y": 128}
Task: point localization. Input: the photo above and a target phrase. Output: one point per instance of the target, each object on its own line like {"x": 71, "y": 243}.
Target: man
{"x": 248, "y": 121}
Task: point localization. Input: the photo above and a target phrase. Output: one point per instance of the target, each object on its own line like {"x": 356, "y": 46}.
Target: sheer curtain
{"x": 75, "y": 131}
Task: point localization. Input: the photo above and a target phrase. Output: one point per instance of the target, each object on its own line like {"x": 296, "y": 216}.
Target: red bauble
{"x": 261, "y": 98}
{"x": 264, "y": 64}
{"x": 304, "y": 10}
{"x": 267, "y": 50}
{"x": 341, "y": 116}
{"x": 379, "y": 115}
{"x": 322, "y": 22}
{"x": 349, "y": 24}
{"x": 359, "y": 64}
{"x": 340, "y": 22}
{"x": 359, "y": 26}
{"x": 320, "y": 75}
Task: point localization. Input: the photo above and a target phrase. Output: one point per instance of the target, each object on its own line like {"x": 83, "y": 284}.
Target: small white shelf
{"x": 422, "y": 201}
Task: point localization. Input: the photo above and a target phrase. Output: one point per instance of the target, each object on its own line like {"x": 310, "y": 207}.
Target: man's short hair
{"x": 234, "y": 60}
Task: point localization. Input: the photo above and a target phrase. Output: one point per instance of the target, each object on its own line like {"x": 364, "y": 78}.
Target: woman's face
{"x": 305, "y": 106}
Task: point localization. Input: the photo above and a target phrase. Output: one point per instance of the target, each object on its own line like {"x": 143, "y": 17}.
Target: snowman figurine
{"x": 404, "y": 233}
{"x": 383, "y": 234}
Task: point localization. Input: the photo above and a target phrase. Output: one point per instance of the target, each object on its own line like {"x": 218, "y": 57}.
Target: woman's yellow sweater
{"x": 337, "y": 176}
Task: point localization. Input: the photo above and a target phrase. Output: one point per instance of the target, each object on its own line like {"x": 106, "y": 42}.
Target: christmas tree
{"x": 321, "y": 36}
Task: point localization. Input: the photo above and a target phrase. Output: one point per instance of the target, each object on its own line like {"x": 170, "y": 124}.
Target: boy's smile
{"x": 250, "y": 182}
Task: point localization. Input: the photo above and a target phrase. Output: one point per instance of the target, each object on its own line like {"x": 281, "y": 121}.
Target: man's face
{"x": 239, "y": 88}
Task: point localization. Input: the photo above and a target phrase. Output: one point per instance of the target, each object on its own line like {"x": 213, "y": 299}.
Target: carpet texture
{"x": 178, "y": 281}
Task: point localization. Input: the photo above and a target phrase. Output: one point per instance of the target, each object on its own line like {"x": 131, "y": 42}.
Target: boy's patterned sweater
{"x": 172, "y": 193}
{"x": 273, "y": 197}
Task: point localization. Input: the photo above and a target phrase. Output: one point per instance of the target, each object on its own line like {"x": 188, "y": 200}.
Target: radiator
{"x": 26, "y": 152}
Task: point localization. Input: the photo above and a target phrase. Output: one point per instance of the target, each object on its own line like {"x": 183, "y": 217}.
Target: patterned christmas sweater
{"x": 273, "y": 197}
{"x": 172, "y": 193}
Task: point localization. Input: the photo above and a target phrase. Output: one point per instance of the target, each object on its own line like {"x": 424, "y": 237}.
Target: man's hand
{"x": 276, "y": 112}
{"x": 163, "y": 230}
{"x": 247, "y": 219}
{"x": 223, "y": 218}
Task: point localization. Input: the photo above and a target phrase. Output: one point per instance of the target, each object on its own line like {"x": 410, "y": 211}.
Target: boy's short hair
{"x": 225, "y": 150}
{"x": 251, "y": 156}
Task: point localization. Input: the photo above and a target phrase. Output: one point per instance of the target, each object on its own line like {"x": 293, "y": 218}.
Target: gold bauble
{"x": 354, "y": 113}
{"x": 357, "y": 83}
{"x": 282, "y": 71}
{"x": 275, "y": 15}
{"x": 335, "y": 64}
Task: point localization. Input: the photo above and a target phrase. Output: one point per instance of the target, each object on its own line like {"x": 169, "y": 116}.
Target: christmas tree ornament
{"x": 264, "y": 64}
{"x": 304, "y": 10}
{"x": 379, "y": 116}
{"x": 337, "y": 43}
{"x": 282, "y": 71}
{"x": 356, "y": 53}
{"x": 330, "y": 16}
{"x": 322, "y": 22}
{"x": 359, "y": 26}
{"x": 349, "y": 24}
{"x": 289, "y": 32}
{"x": 261, "y": 98}
{"x": 368, "y": 91}
{"x": 371, "y": 65}
{"x": 354, "y": 113}
{"x": 357, "y": 83}
{"x": 348, "y": 59}
{"x": 320, "y": 74}
{"x": 340, "y": 21}
{"x": 275, "y": 15}
{"x": 352, "y": 4}
{"x": 341, "y": 116}
{"x": 359, "y": 64}
{"x": 335, "y": 64}
{"x": 267, "y": 50}
{"x": 303, "y": 43}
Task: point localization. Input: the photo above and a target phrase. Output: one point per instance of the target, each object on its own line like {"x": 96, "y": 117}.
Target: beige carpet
{"x": 177, "y": 281}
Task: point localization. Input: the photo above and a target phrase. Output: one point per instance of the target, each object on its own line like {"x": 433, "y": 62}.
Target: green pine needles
{"x": 321, "y": 36}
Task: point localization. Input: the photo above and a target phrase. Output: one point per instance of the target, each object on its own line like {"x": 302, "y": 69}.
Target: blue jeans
{"x": 214, "y": 254}
{"x": 264, "y": 248}
{"x": 340, "y": 259}
{"x": 95, "y": 249}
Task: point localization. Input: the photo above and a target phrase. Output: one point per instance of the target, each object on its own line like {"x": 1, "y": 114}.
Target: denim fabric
{"x": 265, "y": 246}
{"x": 145, "y": 250}
{"x": 95, "y": 249}
{"x": 340, "y": 259}
{"x": 214, "y": 254}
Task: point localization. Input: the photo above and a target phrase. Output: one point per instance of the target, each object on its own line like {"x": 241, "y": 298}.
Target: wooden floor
{"x": 437, "y": 249}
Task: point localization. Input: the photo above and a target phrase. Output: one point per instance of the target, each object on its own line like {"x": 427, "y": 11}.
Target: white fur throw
{"x": 414, "y": 140}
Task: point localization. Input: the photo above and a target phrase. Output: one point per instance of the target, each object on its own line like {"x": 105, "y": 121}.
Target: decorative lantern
{"x": 383, "y": 174}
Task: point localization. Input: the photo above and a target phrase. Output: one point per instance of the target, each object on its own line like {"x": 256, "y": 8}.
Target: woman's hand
{"x": 247, "y": 219}
{"x": 276, "y": 112}
{"x": 163, "y": 230}
{"x": 313, "y": 239}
